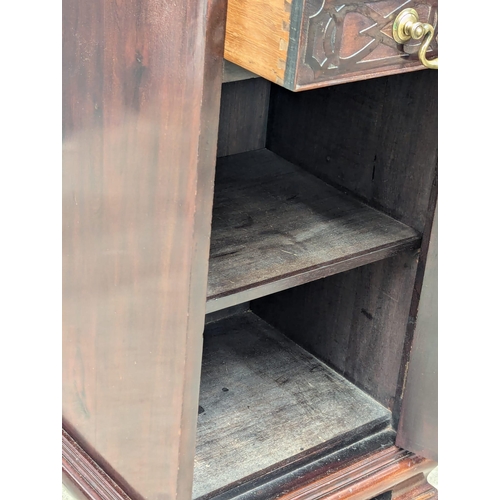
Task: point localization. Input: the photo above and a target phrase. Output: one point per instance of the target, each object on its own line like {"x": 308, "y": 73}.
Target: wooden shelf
{"x": 263, "y": 399}
{"x": 275, "y": 226}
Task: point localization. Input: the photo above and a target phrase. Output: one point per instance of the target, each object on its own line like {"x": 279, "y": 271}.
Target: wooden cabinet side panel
{"x": 141, "y": 90}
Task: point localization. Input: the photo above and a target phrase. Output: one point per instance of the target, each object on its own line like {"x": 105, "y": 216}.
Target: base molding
{"x": 392, "y": 469}
{"x": 83, "y": 477}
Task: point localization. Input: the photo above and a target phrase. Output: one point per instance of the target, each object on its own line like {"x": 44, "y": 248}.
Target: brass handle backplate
{"x": 407, "y": 27}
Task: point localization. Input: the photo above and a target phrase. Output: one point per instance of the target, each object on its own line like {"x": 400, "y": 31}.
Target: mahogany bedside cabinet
{"x": 249, "y": 249}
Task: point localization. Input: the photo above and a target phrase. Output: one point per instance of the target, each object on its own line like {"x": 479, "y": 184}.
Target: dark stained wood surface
{"x": 354, "y": 321}
{"x": 83, "y": 477}
{"x": 364, "y": 478}
{"x": 141, "y": 90}
{"x": 340, "y": 43}
{"x": 308, "y": 466}
{"x": 375, "y": 139}
{"x": 243, "y": 116}
{"x": 263, "y": 400}
{"x": 275, "y": 226}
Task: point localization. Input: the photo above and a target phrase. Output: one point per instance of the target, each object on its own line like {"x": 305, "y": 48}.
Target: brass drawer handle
{"x": 407, "y": 27}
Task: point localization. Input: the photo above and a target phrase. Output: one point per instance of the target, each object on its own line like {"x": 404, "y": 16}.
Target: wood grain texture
{"x": 264, "y": 400}
{"x": 306, "y": 467}
{"x": 84, "y": 477}
{"x": 243, "y": 116}
{"x": 257, "y": 34}
{"x": 141, "y": 90}
{"x": 354, "y": 321}
{"x": 376, "y": 140}
{"x": 372, "y": 475}
{"x": 305, "y": 44}
{"x": 275, "y": 226}
{"x": 352, "y": 40}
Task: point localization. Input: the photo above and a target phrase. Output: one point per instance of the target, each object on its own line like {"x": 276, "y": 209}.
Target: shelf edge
{"x": 223, "y": 301}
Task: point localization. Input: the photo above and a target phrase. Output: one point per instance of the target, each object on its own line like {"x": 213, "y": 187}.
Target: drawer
{"x": 303, "y": 44}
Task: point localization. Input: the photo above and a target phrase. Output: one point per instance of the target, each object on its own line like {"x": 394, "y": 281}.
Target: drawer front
{"x": 305, "y": 44}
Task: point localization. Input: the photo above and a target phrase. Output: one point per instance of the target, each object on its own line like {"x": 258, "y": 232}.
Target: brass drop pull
{"x": 407, "y": 27}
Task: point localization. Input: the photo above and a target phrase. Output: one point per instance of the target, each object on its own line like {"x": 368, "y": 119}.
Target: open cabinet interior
{"x": 321, "y": 199}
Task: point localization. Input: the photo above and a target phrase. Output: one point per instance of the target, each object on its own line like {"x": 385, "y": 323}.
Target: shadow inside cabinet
{"x": 321, "y": 198}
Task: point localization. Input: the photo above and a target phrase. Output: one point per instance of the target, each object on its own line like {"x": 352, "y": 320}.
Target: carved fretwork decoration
{"x": 347, "y": 35}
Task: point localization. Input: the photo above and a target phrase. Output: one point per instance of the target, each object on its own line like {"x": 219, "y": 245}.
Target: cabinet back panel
{"x": 376, "y": 139}
{"x": 243, "y": 116}
{"x": 354, "y": 321}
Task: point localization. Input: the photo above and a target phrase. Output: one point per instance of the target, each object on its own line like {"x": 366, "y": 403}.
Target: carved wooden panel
{"x": 352, "y": 36}
{"x": 302, "y": 44}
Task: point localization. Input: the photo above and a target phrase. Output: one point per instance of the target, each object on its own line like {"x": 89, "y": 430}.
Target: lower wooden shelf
{"x": 276, "y": 226}
{"x": 263, "y": 400}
